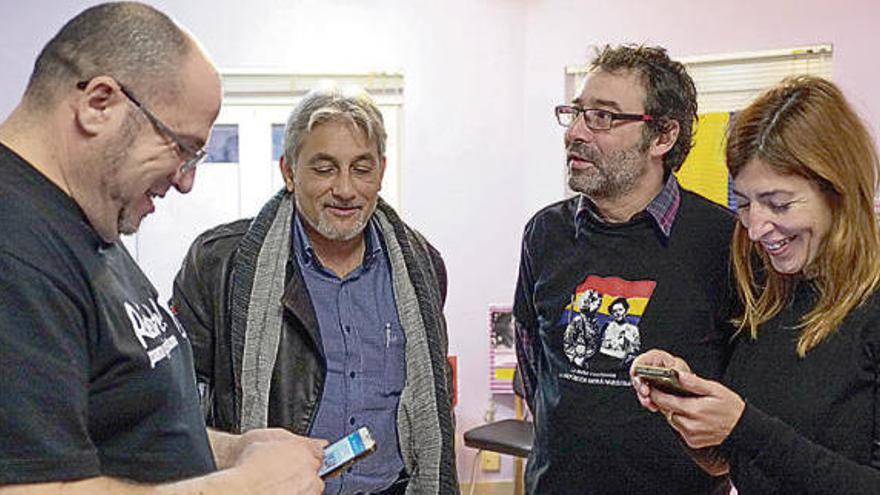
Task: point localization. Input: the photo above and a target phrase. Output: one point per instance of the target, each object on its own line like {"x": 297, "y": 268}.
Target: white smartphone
{"x": 347, "y": 450}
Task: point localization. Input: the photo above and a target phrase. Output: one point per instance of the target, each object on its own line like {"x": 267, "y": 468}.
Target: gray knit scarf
{"x": 425, "y": 430}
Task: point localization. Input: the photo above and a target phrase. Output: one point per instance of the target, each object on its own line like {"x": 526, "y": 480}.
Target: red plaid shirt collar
{"x": 662, "y": 208}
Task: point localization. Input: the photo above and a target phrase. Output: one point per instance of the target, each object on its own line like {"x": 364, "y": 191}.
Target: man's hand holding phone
{"x": 277, "y": 461}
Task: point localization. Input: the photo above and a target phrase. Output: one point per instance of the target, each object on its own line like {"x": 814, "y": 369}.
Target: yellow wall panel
{"x": 704, "y": 171}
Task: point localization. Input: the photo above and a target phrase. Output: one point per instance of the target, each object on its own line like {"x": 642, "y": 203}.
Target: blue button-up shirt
{"x": 364, "y": 346}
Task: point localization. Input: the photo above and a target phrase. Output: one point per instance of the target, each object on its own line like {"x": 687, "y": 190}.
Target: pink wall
{"x": 559, "y": 33}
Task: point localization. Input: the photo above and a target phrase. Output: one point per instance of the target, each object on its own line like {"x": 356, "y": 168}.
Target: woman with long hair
{"x": 799, "y": 410}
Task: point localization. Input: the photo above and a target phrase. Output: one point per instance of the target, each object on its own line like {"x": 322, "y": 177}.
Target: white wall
{"x": 481, "y": 149}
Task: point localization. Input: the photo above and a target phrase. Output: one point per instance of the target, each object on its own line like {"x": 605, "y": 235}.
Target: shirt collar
{"x": 306, "y": 254}
{"x": 663, "y": 208}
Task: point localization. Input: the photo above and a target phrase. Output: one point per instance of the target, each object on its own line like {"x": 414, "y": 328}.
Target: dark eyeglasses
{"x": 192, "y": 156}
{"x": 596, "y": 118}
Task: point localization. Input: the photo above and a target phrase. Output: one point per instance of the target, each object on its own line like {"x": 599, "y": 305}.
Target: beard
{"x": 612, "y": 175}
{"x": 129, "y": 222}
{"x": 325, "y": 226}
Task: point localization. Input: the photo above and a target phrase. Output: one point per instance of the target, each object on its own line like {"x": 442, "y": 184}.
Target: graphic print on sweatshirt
{"x": 601, "y": 336}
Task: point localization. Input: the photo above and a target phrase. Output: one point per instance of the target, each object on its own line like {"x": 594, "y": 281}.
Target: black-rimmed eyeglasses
{"x": 192, "y": 157}
{"x": 596, "y": 118}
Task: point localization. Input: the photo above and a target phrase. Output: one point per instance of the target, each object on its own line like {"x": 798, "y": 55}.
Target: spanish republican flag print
{"x": 637, "y": 293}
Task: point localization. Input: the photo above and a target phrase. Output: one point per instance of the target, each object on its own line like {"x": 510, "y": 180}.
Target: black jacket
{"x": 212, "y": 297}
{"x": 201, "y": 300}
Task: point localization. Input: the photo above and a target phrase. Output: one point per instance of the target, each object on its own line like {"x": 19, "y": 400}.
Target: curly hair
{"x": 670, "y": 92}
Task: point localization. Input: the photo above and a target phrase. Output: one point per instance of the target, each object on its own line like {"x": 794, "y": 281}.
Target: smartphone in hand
{"x": 346, "y": 451}
{"x": 663, "y": 379}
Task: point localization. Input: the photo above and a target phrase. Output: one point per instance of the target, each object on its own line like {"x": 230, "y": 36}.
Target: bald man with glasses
{"x": 192, "y": 155}
{"x": 99, "y": 392}
{"x": 631, "y": 234}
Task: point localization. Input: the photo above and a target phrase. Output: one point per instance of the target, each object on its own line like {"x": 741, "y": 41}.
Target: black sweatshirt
{"x": 592, "y": 436}
{"x": 810, "y": 425}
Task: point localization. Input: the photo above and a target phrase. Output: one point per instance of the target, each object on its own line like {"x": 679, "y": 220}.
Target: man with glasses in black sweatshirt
{"x": 632, "y": 234}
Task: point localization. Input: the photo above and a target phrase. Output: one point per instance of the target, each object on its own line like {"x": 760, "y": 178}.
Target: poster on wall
{"x": 502, "y": 355}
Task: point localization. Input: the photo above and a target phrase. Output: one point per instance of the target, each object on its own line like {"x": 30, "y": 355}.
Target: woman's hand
{"x": 654, "y": 357}
{"x": 702, "y": 421}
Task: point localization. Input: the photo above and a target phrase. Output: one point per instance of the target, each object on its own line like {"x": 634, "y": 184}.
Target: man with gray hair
{"x": 98, "y": 390}
{"x": 324, "y": 313}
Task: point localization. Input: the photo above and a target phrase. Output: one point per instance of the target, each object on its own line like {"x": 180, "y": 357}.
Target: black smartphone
{"x": 347, "y": 450}
{"x": 663, "y": 379}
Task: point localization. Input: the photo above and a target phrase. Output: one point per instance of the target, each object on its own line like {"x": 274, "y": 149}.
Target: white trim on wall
{"x": 727, "y": 82}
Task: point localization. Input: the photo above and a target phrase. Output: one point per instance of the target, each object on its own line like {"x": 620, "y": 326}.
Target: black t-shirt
{"x": 589, "y": 301}
{"x": 97, "y": 375}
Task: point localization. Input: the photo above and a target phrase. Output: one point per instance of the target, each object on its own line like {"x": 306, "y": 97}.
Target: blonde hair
{"x": 805, "y": 127}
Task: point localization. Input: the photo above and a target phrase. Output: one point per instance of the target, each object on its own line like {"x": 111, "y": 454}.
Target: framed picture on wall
{"x": 502, "y": 354}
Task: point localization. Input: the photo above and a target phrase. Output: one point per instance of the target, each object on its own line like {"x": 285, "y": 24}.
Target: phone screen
{"x": 346, "y": 450}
